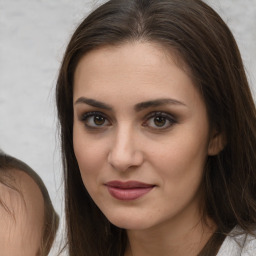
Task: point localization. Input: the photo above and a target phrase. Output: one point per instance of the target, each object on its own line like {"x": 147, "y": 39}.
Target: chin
{"x": 130, "y": 222}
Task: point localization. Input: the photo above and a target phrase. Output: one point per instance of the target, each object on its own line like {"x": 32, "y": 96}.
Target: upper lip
{"x": 128, "y": 184}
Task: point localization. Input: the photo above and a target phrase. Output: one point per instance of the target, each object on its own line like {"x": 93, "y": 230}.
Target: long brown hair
{"x": 200, "y": 38}
{"x": 51, "y": 218}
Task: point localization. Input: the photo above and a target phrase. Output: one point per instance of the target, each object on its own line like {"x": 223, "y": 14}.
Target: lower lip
{"x": 129, "y": 193}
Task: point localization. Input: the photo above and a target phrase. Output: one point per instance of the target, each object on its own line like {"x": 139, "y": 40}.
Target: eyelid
{"x": 91, "y": 113}
{"x": 160, "y": 113}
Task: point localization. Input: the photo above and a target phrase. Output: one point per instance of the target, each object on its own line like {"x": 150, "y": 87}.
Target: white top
{"x": 240, "y": 245}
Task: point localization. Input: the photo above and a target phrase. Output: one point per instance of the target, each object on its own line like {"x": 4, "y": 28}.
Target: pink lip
{"x": 129, "y": 190}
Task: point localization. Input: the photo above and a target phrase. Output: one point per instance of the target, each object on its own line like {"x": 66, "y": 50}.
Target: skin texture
{"x": 164, "y": 145}
{"x": 22, "y": 216}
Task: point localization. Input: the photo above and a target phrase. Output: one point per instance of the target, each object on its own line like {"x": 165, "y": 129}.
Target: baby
{"x": 28, "y": 221}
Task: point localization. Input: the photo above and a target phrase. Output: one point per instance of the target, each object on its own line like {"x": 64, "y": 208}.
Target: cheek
{"x": 181, "y": 169}
{"x": 89, "y": 155}
{"x": 181, "y": 161}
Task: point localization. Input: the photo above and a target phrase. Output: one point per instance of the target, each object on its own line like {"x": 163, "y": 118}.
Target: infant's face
{"x": 141, "y": 136}
{"x": 22, "y": 215}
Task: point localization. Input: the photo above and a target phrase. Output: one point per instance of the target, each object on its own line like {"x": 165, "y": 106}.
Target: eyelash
{"x": 168, "y": 120}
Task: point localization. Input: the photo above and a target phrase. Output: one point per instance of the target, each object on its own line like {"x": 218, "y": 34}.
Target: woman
{"x": 158, "y": 132}
{"x": 28, "y": 220}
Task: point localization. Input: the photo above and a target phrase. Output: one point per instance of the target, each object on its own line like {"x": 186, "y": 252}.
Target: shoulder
{"x": 249, "y": 248}
{"x": 22, "y": 214}
{"x": 238, "y": 243}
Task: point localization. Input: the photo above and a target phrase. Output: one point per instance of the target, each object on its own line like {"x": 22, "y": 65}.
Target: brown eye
{"x": 99, "y": 120}
{"x": 160, "y": 121}
{"x": 95, "y": 120}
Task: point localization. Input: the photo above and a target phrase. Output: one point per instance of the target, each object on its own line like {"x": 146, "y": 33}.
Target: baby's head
{"x": 27, "y": 209}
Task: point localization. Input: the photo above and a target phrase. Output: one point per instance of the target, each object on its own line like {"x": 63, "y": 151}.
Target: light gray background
{"x": 33, "y": 36}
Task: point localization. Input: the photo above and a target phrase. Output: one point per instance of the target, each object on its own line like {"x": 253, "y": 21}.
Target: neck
{"x": 170, "y": 240}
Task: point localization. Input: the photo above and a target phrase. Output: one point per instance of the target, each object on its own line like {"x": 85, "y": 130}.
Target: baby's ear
{"x": 217, "y": 143}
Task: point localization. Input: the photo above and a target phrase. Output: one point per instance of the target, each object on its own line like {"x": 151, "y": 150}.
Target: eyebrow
{"x": 157, "y": 103}
{"x": 138, "y": 107}
{"x": 93, "y": 103}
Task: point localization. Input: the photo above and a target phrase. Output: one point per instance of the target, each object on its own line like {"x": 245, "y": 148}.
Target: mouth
{"x": 129, "y": 190}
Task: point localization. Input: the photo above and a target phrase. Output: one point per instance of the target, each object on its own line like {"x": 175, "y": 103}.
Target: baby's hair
{"x": 51, "y": 218}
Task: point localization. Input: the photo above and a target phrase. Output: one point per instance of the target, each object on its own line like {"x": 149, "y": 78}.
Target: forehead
{"x": 143, "y": 51}
{"x": 131, "y": 69}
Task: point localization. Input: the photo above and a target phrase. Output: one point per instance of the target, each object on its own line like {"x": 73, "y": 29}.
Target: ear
{"x": 217, "y": 143}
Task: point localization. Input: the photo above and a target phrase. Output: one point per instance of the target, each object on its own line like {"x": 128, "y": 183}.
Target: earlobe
{"x": 216, "y": 143}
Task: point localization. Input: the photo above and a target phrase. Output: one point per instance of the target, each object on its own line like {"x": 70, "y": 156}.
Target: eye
{"x": 95, "y": 120}
{"x": 159, "y": 120}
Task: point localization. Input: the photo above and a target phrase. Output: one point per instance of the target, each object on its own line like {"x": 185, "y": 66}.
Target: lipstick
{"x": 129, "y": 190}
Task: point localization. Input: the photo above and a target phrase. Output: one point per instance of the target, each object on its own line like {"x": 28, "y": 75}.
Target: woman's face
{"x": 141, "y": 135}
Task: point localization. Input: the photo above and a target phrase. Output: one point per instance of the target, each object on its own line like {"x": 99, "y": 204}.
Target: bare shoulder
{"x": 21, "y": 214}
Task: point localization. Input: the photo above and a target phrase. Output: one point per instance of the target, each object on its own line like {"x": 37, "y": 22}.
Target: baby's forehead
{"x": 22, "y": 212}
{"x": 20, "y": 181}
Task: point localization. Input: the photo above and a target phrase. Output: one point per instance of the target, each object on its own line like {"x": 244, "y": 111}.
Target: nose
{"x": 125, "y": 153}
